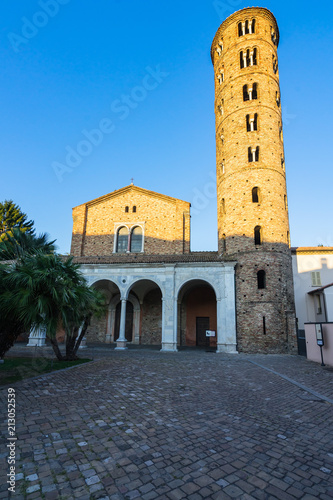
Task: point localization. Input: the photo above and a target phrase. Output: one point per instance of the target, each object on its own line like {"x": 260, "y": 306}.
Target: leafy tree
{"x": 16, "y": 244}
{"x": 46, "y": 291}
{"x": 11, "y": 216}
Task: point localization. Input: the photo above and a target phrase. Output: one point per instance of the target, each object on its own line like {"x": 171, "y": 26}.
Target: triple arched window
{"x": 248, "y": 58}
{"x": 250, "y": 92}
{"x": 129, "y": 240}
{"x": 247, "y": 27}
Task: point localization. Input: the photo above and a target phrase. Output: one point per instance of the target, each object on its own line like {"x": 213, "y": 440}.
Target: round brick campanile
{"x": 253, "y": 225}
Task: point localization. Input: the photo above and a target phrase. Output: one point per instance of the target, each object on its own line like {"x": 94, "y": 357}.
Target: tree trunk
{"x": 85, "y": 325}
{"x": 56, "y": 349}
{"x": 70, "y": 344}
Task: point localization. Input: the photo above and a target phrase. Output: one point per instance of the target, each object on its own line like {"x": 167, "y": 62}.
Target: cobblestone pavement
{"x": 150, "y": 425}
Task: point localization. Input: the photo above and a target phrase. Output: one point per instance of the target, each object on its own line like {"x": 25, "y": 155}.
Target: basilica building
{"x": 134, "y": 244}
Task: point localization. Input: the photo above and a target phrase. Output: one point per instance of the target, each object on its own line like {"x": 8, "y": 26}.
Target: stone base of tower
{"x": 266, "y": 320}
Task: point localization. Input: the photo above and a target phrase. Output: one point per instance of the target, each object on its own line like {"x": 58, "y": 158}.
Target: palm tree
{"x": 45, "y": 290}
{"x": 16, "y": 243}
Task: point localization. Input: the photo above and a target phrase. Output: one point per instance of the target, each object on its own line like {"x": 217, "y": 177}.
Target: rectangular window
{"x": 315, "y": 278}
{"x": 318, "y": 304}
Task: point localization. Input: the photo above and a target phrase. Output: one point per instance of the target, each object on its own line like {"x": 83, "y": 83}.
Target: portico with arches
{"x": 158, "y": 304}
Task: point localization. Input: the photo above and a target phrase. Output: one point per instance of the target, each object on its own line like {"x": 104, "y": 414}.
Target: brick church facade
{"x": 134, "y": 244}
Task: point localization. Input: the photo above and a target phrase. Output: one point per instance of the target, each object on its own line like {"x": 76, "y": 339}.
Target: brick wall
{"x": 165, "y": 221}
{"x": 151, "y": 318}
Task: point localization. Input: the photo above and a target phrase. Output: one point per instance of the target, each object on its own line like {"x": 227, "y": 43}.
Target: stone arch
{"x": 99, "y": 329}
{"x": 196, "y": 313}
{"x": 149, "y": 295}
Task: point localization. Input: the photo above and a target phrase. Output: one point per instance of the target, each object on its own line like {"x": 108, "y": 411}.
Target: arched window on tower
{"x": 285, "y": 202}
{"x": 122, "y": 240}
{"x": 242, "y": 59}
{"x": 247, "y": 27}
{"x": 240, "y": 29}
{"x": 257, "y": 235}
{"x": 253, "y": 154}
{"x": 222, "y": 206}
{"x": 250, "y": 92}
{"x": 261, "y": 279}
{"x": 224, "y": 244}
{"x": 221, "y": 108}
{"x": 255, "y": 195}
{"x": 136, "y": 239}
{"x": 219, "y": 47}
{"x": 248, "y": 126}
{"x": 248, "y": 58}
{"x": 278, "y": 100}
{"x": 126, "y": 209}
{"x": 275, "y": 64}
{"x": 252, "y": 122}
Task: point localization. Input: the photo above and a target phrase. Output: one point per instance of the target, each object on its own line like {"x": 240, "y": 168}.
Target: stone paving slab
{"x": 150, "y": 425}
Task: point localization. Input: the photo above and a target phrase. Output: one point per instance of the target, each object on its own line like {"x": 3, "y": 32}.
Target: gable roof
{"x": 137, "y": 189}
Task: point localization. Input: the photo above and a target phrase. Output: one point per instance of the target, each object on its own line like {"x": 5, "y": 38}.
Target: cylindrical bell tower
{"x": 253, "y": 225}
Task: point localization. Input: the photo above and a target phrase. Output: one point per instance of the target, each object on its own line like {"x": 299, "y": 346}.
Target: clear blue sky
{"x": 65, "y": 69}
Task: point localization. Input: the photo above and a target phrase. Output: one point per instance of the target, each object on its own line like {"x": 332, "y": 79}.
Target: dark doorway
{"x": 202, "y": 324}
{"x": 128, "y": 324}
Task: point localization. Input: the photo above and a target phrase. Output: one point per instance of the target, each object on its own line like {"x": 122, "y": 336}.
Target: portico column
{"x": 169, "y": 331}
{"x": 108, "y": 326}
{"x": 121, "y": 341}
{"x": 136, "y": 326}
{"x": 226, "y": 315}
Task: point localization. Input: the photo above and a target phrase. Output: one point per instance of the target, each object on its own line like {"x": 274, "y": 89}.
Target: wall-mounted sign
{"x": 210, "y": 333}
{"x": 319, "y": 334}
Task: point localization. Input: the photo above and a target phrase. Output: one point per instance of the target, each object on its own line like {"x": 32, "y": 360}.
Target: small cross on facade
{"x": 132, "y": 181}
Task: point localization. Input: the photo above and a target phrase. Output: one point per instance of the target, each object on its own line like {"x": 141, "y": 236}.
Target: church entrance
{"x": 202, "y": 325}
{"x": 196, "y": 315}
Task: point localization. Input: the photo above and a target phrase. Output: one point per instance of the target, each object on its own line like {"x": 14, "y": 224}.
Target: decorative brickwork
{"x": 253, "y": 224}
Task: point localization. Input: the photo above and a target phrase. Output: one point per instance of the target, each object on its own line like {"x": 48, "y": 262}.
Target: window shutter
{"x": 315, "y": 278}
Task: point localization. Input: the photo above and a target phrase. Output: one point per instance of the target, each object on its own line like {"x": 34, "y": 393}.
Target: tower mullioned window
{"x": 246, "y": 27}
{"x": 248, "y": 58}
{"x": 252, "y": 122}
{"x": 253, "y": 154}
{"x": 250, "y": 92}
